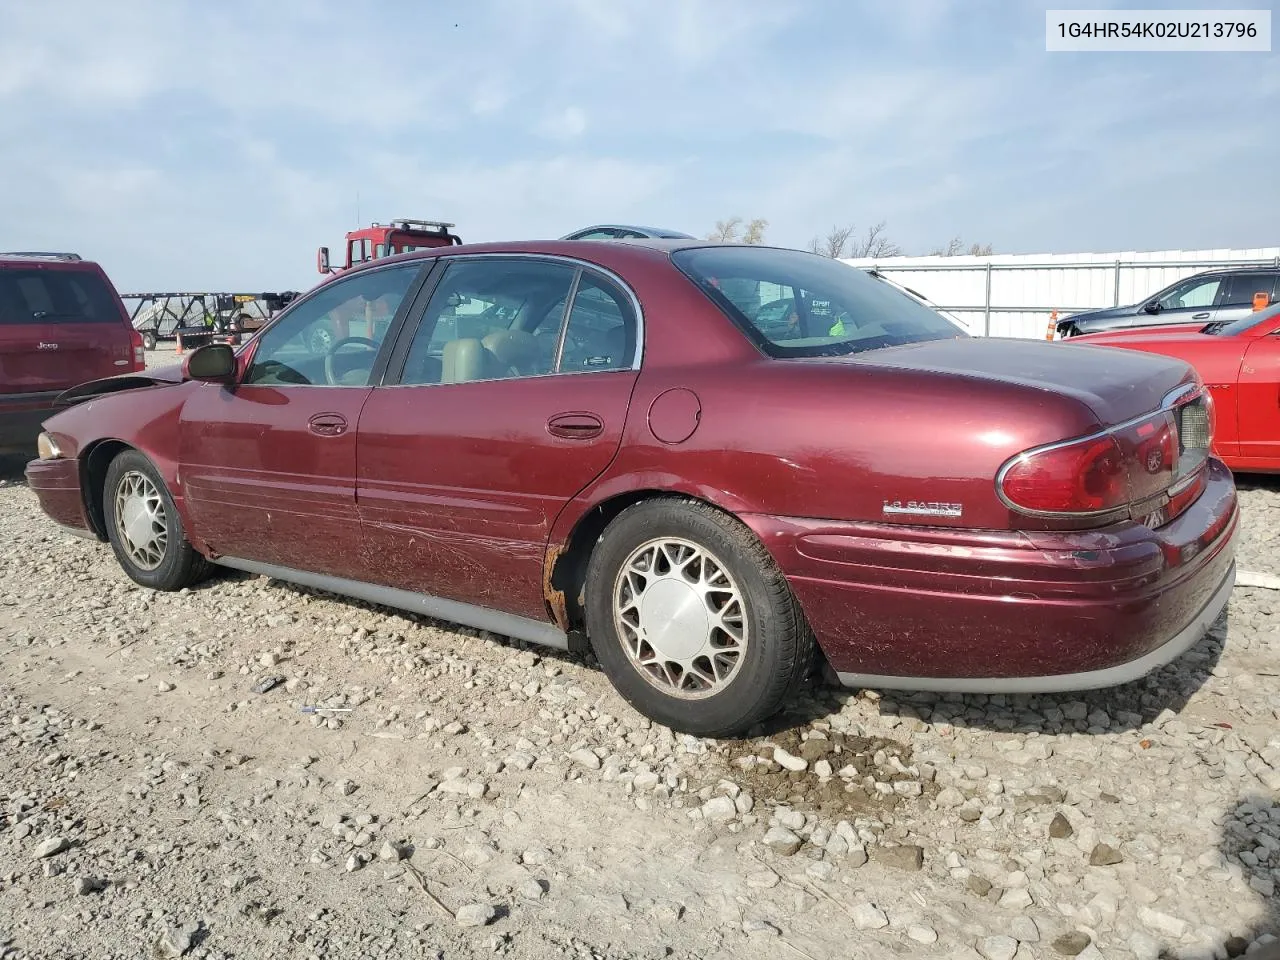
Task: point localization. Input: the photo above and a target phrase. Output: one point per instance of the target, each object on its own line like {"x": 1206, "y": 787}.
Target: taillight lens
{"x": 139, "y": 350}
{"x": 1083, "y": 477}
{"x": 1135, "y": 463}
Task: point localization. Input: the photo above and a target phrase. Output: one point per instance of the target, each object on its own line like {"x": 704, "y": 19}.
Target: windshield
{"x": 36, "y": 295}
{"x": 795, "y": 304}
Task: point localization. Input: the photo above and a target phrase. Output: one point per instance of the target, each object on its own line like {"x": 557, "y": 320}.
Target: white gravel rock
{"x": 475, "y": 915}
{"x": 754, "y": 927}
{"x": 719, "y": 810}
{"x": 867, "y": 916}
{"x": 782, "y": 841}
{"x": 922, "y": 934}
{"x": 50, "y": 847}
{"x": 998, "y": 947}
{"x": 788, "y": 761}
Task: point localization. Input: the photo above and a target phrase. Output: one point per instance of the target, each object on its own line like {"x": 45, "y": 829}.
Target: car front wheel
{"x": 144, "y": 528}
{"x": 692, "y": 620}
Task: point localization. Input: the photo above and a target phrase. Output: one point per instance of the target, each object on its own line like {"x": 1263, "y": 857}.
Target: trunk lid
{"x": 1116, "y": 385}
{"x": 59, "y": 326}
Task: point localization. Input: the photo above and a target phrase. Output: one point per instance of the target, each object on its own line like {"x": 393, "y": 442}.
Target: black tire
{"x": 180, "y": 565}
{"x": 149, "y": 340}
{"x": 780, "y": 646}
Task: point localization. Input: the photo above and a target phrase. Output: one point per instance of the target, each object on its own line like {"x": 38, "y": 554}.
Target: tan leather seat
{"x": 466, "y": 360}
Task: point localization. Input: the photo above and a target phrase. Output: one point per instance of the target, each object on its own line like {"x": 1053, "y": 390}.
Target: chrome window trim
{"x": 520, "y": 379}
{"x": 255, "y": 339}
{"x": 580, "y": 264}
{"x": 1170, "y": 400}
{"x": 569, "y": 300}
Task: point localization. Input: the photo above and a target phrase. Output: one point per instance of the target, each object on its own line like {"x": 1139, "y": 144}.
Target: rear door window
{"x": 35, "y": 296}
{"x": 492, "y": 319}
{"x": 1242, "y": 287}
{"x": 601, "y": 332}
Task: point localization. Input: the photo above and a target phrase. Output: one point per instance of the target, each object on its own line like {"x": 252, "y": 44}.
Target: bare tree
{"x": 834, "y": 245}
{"x": 839, "y": 243}
{"x": 875, "y": 244}
{"x": 955, "y": 248}
{"x": 726, "y": 231}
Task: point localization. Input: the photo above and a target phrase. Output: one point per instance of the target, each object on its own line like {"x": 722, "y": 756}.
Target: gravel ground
{"x": 165, "y": 791}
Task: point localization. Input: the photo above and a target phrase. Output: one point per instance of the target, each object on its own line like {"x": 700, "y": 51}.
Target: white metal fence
{"x": 1014, "y": 295}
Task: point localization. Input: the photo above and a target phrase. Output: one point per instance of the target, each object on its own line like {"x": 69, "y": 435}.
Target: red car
{"x": 596, "y": 443}
{"x": 1239, "y": 363}
{"x": 61, "y": 323}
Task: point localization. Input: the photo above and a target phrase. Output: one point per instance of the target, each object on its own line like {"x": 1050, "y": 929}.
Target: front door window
{"x": 332, "y": 338}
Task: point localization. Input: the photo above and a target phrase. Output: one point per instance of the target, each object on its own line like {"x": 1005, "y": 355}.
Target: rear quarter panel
{"x": 834, "y": 441}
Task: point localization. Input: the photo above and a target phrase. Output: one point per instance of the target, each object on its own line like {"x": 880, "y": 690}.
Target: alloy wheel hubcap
{"x": 681, "y": 618}
{"x": 140, "y": 518}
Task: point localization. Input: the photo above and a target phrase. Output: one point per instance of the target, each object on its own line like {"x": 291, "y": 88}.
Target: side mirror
{"x": 212, "y": 363}
{"x": 322, "y": 259}
{"x": 1152, "y": 306}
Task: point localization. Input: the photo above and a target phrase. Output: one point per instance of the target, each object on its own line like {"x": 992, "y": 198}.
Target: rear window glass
{"x": 795, "y": 304}
{"x": 1242, "y": 287}
{"x": 55, "y": 296}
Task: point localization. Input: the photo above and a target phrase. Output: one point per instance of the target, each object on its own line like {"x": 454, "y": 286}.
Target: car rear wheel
{"x": 144, "y": 528}
{"x": 149, "y": 340}
{"x": 692, "y": 620}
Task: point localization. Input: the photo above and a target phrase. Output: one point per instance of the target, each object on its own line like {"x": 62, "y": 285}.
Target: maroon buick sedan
{"x": 712, "y": 464}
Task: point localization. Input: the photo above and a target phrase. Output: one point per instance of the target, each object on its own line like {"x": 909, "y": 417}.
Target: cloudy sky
{"x": 216, "y": 145}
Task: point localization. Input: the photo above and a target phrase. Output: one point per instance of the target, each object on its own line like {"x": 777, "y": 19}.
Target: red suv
{"x": 61, "y": 323}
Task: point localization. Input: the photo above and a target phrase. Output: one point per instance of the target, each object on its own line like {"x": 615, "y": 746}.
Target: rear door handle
{"x": 1199, "y": 316}
{"x": 575, "y": 426}
{"x": 328, "y": 424}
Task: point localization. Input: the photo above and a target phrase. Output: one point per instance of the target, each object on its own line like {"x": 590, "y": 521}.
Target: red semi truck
{"x": 386, "y": 239}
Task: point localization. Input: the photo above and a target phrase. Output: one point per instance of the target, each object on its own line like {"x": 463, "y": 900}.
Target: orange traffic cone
{"x": 1053, "y": 326}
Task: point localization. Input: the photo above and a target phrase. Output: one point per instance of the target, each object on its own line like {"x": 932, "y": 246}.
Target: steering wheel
{"x": 335, "y": 347}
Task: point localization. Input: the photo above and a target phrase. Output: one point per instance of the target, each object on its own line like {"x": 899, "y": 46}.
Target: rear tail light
{"x": 1139, "y": 464}
{"x": 1083, "y": 477}
{"x": 139, "y": 350}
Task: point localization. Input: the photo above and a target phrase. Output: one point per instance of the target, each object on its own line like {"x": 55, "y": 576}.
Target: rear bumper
{"x": 56, "y": 484}
{"x": 921, "y": 608}
{"x": 21, "y": 416}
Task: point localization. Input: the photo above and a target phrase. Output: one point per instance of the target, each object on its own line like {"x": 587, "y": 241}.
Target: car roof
{"x": 610, "y": 253}
{"x": 20, "y": 257}
{"x": 1213, "y": 271}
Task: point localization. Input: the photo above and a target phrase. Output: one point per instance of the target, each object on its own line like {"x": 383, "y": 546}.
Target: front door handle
{"x": 328, "y": 424}
{"x": 1199, "y": 316}
{"x": 575, "y": 426}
